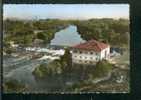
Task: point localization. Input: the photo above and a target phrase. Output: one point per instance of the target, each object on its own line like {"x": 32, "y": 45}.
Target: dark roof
{"x": 91, "y": 45}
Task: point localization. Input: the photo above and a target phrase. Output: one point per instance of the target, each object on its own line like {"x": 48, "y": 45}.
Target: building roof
{"x": 92, "y": 45}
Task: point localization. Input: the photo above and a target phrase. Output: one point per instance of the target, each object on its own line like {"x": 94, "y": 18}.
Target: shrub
{"x": 14, "y": 86}
{"x": 41, "y": 71}
{"x": 101, "y": 69}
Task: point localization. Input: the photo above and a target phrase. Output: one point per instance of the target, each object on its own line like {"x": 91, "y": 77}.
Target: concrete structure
{"x": 59, "y": 52}
{"x": 90, "y": 52}
{"x": 50, "y": 54}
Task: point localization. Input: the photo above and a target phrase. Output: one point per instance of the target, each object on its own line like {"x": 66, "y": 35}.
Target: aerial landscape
{"x": 66, "y": 48}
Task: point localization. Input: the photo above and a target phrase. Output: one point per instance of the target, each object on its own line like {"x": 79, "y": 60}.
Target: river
{"x": 20, "y": 68}
{"x": 67, "y": 37}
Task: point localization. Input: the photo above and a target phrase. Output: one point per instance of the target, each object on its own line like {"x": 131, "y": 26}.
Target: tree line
{"x": 114, "y": 32}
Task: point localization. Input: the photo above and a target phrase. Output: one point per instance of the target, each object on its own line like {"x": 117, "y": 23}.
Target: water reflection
{"x": 67, "y": 37}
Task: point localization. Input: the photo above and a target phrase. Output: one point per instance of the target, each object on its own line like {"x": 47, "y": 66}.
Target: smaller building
{"x": 90, "y": 52}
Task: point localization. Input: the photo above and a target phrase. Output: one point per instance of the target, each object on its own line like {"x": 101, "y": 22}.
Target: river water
{"x": 67, "y": 37}
{"x": 20, "y": 68}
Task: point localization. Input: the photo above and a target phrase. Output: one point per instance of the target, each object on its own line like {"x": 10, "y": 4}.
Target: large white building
{"x": 90, "y": 52}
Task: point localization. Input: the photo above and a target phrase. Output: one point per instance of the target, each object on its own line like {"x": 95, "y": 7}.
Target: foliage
{"x": 14, "y": 86}
{"x": 56, "y": 67}
{"x": 41, "y": 36}
{"x": 51, "y": 69}
{"x": 66, "y": 61}
{"x": 88, "y": 74}
{"x": 101, "y": 69}
{"x": 78, "y": 72}
{"x": 22, "y": 32}
{"x": 8, "y": 51}
{"x": 115, "y": 32}
{"x": 41, "y": 70}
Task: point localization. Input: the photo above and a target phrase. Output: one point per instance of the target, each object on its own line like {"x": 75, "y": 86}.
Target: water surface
{"x": 67, "y": 37}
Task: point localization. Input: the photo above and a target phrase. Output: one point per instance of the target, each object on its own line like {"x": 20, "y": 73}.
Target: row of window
{"x": 76, "y": 51}
{"x": 84, "y": 57}
{"x": 81, "y": 61}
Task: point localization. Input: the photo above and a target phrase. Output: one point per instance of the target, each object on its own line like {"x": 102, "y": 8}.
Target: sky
{"x": 65, "y": 11}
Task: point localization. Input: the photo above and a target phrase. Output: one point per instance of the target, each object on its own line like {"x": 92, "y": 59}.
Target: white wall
{"x": 85, "y": 56}
{"x": 102, "y": 54}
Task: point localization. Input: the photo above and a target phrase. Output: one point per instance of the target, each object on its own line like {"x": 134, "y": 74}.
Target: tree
{"x": 14, "y": 86}
{"x": 101, "y": 69}
{"x": 66, "y": 61}
{"x": 109, "y": 30}
{"x": 41, "y": 36}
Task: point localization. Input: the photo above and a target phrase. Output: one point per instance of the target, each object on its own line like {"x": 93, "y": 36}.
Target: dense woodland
{"x": 25, "y": 32}
{"x": 115, "y": 32}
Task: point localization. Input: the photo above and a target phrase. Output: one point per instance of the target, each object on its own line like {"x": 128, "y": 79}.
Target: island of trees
{"x": 76, "y": 74}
